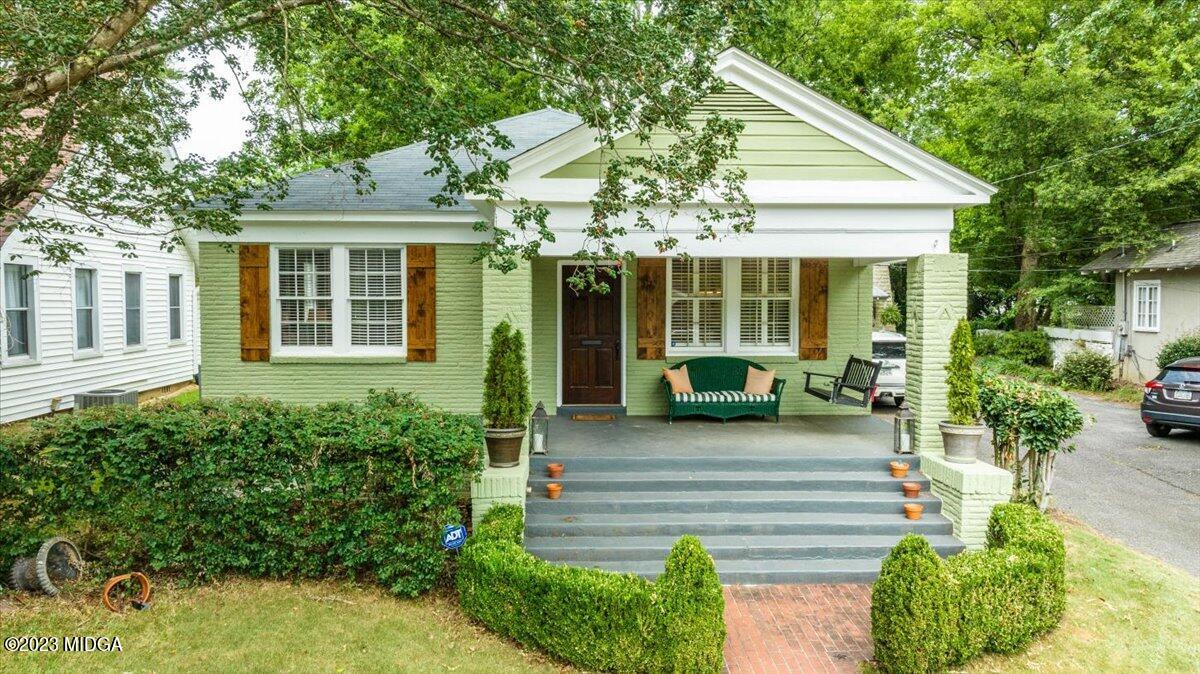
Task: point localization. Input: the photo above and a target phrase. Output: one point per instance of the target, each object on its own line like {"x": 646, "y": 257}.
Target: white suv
{"x": 887, "y": 349}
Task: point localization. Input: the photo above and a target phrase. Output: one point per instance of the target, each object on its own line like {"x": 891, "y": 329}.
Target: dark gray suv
{"x": 1172, "y": 399}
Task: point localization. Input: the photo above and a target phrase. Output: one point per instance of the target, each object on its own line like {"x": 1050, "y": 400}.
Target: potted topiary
{"x": 506, "y": 403}
{"x": 961, "y": 434}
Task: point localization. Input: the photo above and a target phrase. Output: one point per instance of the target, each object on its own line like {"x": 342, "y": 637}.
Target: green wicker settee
{"x": 718, "y": 383}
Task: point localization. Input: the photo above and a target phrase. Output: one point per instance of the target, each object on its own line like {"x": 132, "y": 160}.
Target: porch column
{"x": 937, "y": 299}
{"x": 505, "y": 297}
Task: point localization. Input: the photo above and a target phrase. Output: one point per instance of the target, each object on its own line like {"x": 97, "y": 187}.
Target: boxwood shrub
{"x": 246, "y": 486}
{"x": 1085, "y": 370}
{"x": 928, "y": 614}
{"x": 1187, "y": 346}
{"x": 1031, "y": 347}
{"x": 595, "y": 619}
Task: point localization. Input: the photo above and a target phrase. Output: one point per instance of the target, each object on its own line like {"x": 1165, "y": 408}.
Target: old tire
{"x": 21, "y": 577}
{"x": 57, "y": 561}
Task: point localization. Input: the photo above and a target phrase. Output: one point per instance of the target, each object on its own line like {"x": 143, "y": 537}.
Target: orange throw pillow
{"x": 759, "y": 382}
{"x": 679, "y": 380}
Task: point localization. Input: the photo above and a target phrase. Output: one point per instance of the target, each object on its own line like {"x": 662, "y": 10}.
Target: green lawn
{"x": 259, "y": 626}
{"x": 1126, "y": 612}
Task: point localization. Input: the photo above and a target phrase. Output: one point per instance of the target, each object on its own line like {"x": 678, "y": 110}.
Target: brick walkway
{"x": 797, "y": 628}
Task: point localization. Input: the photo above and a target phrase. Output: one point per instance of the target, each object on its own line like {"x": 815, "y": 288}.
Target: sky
{"x": 218, "y": 126}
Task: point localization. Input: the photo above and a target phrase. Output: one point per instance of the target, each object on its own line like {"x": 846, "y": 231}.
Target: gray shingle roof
{"x": 399, "y": 174}
{"x": 1183, "y": 250}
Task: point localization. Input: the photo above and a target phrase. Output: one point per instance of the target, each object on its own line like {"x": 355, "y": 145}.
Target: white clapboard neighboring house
{"x": 102, "y": 321}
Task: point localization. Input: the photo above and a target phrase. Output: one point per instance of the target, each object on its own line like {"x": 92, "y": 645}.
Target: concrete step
{"x": 809, "y": 460}
{"x": 677, "y": 481}
{"x": 731, "y": 524}
{"x": 577, "y": 502}
{"x": 761, "y": 571}
{"x": 583, "y": 549}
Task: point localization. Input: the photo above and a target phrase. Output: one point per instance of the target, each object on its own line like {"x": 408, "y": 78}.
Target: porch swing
{"x": 855, "y": 388}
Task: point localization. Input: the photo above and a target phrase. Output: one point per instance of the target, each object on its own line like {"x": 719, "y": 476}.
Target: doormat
{"x": 593, "y": 417}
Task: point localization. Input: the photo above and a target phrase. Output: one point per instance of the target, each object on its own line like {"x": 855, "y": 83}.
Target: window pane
{"x": 376, "y": 286}
{"x": 697, "y": 302}
{"x": 766, "y": 307}
{"x": 85, "y": 299}
{"x": 133, "y": 308}
{"x": 18, "y": 305}
{"x": 175, "y": 306}
{"x": 84, "y": 336}
{"x": 305, "y": 297}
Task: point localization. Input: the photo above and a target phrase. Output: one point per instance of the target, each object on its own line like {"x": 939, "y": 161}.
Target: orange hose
{"x": 143, "y": 581}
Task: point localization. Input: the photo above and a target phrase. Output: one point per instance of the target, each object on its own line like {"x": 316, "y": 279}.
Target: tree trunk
{"x": 1026, "y": 317}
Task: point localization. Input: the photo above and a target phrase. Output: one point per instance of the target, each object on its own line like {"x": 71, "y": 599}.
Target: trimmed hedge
{"x": 928, "y": 614}
{"x": 246, "y": 486}
{"x": 1085, "y": 370}
{"x": 591, "y": 618}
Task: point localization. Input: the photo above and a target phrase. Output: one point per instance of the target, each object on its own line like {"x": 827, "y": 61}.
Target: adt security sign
{"x": 453, "y": 536}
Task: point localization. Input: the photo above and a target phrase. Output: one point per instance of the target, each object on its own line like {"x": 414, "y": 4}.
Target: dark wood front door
{"x": 591, "y": 348}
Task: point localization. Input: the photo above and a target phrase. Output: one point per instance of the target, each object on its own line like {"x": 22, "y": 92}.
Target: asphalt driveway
{"x": 1140, "y": 490}
{"x": 1137, "y": 489}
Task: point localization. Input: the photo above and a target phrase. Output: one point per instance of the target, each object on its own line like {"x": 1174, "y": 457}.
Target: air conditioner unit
{"x": 105, "y": 397}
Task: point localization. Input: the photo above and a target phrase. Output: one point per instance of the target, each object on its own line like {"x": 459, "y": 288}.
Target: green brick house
{"x": 330, "y": 292}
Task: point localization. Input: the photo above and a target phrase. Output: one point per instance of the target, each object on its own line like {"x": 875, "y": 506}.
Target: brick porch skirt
{"x": 797, "y": 628}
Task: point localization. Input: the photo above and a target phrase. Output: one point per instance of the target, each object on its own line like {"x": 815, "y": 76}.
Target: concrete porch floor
{"x": 749, "y": 436}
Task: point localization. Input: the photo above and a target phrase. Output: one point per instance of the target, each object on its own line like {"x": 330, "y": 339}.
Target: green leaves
{"x": 928, "y": 614}
{"x": 962, "y": 392}
{"x": 506, "y": 401}
{"x": 597, "y": 620}
{"x": 247, "y": 486}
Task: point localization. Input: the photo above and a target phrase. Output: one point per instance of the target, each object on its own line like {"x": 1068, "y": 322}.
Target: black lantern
{"x": 539, "y": 430}
{"x": 904, "y": 430}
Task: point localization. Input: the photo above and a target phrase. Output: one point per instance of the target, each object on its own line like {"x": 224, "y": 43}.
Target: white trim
{"x": 357, "y": 217}
{"x": 34, "y": 356}
{"x": 97, "y": 348}
{"x": 558, "y": 378}
{"x": 339, "y": 281}
{"x": 315, "y": 231}
{"x": 731, "y": 301}
{"x": 1137, "y": 314}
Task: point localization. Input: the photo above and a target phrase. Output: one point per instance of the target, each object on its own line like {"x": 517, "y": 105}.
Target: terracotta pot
{"x": 553, "y": 490}
{"x": 913, "y": 510}
{"x": 554, "y": 470}
{"x": 911, "y": 489}
{"x": 899, "y": 469}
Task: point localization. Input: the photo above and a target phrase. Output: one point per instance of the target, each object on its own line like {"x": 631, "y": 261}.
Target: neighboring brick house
{"x": 1157, "y": 297}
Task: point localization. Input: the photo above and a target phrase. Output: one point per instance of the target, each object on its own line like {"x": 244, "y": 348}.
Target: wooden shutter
{"x": 651, "y": 308}
{"x": 814, "y": 309}
{"x": 422, "y": 304}
{"x": 254, "y": 294}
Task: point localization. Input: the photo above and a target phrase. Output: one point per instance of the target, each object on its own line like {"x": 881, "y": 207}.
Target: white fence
{"x": 1066, "y": 340}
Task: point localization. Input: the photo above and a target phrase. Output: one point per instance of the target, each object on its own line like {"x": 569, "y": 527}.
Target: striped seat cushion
{"x": 724, "y": 397}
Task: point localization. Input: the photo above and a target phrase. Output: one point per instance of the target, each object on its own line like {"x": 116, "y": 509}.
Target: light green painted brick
{"x": 937, "y": 300}
{"x": 968, "y": 493}
{"x": 453, "y": 382}
{"x": 544, "y": 375}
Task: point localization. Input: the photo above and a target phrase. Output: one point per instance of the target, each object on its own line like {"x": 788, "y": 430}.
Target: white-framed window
{"x": 87, "y": 310}
{"x": 339, "y": 300}
{"x": 741, "y": 306}
{"x": 175, "y": 307}
{"x": 1147, "y": 306}
{"x": 133, "y": 308}
{"x": 18, "y": 302}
